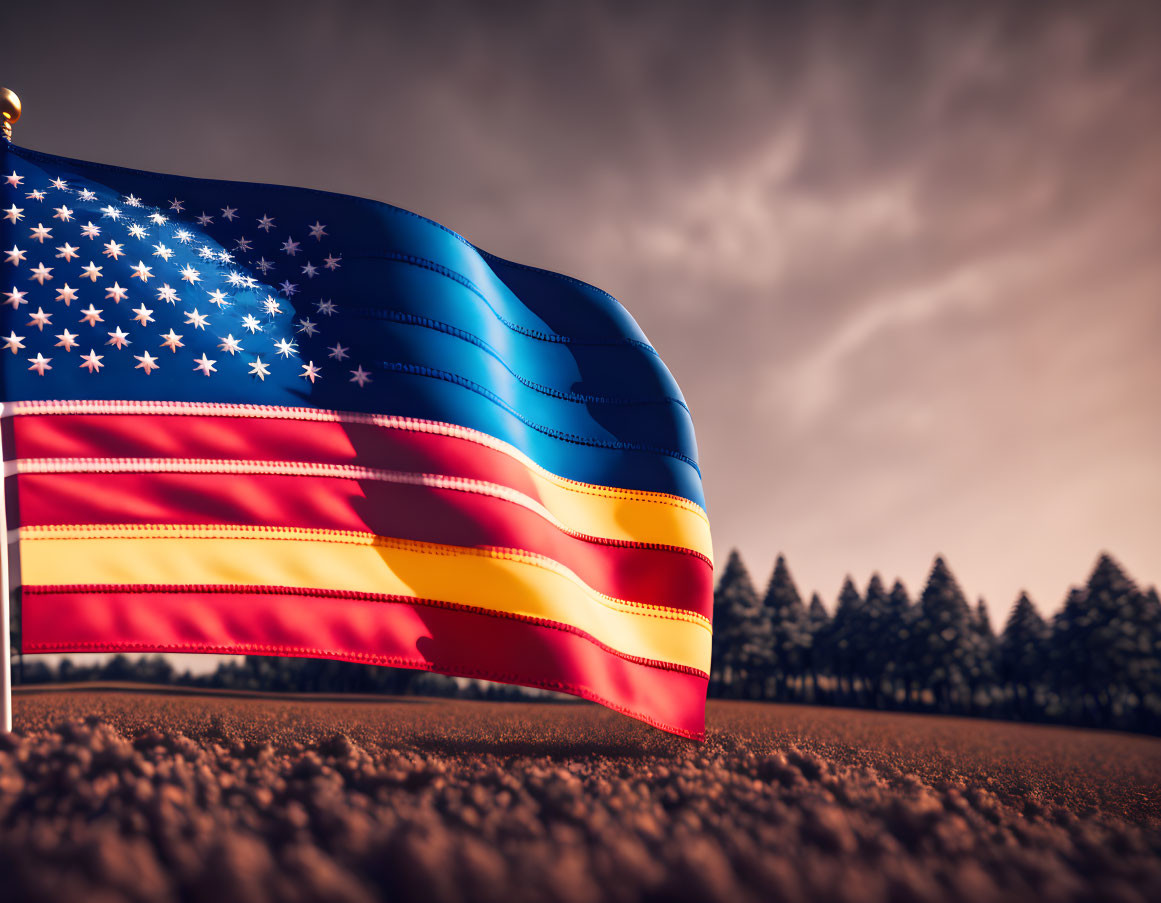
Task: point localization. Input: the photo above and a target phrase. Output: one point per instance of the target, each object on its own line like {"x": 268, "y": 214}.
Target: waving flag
{"x": 244, "y": 418}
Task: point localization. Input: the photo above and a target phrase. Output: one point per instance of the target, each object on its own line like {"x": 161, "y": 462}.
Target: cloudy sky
{"x": 905, "y": 262}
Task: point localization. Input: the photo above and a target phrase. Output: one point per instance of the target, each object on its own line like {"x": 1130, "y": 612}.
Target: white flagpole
{"x": 5, "y": 607}
{"x": 9, "y": 113}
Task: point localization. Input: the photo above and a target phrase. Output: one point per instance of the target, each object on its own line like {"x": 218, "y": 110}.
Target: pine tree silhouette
{"x": 947, "y": 644}
{"x": 1023, "y": 655}
{"x": 842, "y": 647}
{"x": 872, "y": 623}
{"x": 790, "y": 633}
{"x": 738, "y": 631}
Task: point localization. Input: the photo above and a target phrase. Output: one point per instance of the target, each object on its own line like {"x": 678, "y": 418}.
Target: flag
{"x": 246, "y": 418}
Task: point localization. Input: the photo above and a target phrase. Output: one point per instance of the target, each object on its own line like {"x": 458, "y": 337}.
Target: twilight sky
{"x": 905, "y": 263}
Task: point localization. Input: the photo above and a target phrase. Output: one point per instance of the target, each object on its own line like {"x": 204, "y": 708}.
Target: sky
{"x": 904, "y": 259}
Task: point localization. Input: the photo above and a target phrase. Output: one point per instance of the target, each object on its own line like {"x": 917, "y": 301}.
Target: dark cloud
{"x": 901, "y": 257}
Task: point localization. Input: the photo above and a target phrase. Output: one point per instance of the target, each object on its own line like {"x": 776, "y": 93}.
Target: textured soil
{"x": 131, "y": 796}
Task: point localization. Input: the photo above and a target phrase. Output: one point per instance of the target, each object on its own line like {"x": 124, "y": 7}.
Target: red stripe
{"x": 653, "y": 575}
{"x": 404, "y": 634}
{"x": 261, "y": 439}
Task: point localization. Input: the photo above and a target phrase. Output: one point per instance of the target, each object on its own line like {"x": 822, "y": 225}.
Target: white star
{"x": 285, "y": 348}
{"x": 113, "y": 249}
{"x": 92, "y": 316}
{"x": 39, "y": 363}
{"x": 235, "y": 279}
{"x": 92, "y": 361}
{"x": 158, "y": 219}
{"x": 67, "y": 340}
{"x": 67, "y": 294}
{"x": 360, "y": 376}
{"x": 35, "y": 195}
{"x": 250, "y": 322}
{"x": 40, "y": 319}
{"x": 90, "y": 231}
{"x": 91, "y": 272}
{"x": 172, "y": 341}
{"x": 205, "y": 252}
{"x": 147, "y": 363}
{"x": 68, "y": 252}
{"x": 218, "y": 297}
{"x": 244, "y": 244}
{"x": 230, "y": 213}
{"x": 259, "y": 369}
{"x": 266, "y": 223}
{"x": 190, "y": 275}
{"x": 338, "y": 352}
{"x": 196, "y": 320}
{"x": 41, "y": 274}
{"x": 230, "y": 345}
{"x": 184, "y": 236}
{"x": 141, "y": 271}
{"x": 326, "y": 308}
{"x": 288, "y": 288}
{"x": 311, "y": 372}
{"x": 309, "y": 270}
{"x": 116, "y": 293}
{"x": 15, "y": 256}
{"x": 112, "y": 212}
{"x": 118, "y": 339}
{"x": 176, "y": 206}
{"x": 205, "y": 365}
{"x": 143, "y": 315}
{"x": 225, "y": 257}
{"x": 290, "y": 246}
{"x": 14, "y": 341}
{"x": 132, "y": 201}
{"x": 264, "y": 265}
{"x": 40, "y": 232}
{"x": 14, "y": 180}
{"x": 332, "y": 263}
{"x": 162, "y": 251}
{"x": 204, "y": 219}
{"x": 307, "y": 326}
{"x": 137, "y": 231}
{"x": 165, "y": 293}
{"x": 63, "y": 214}
{"x": 271, "y": 305}
{"x": 61, "y": 184}
{"x": 14, "y": 214}
{"x": 85, "y": 195}
{"x": 317, "y": 231}
{"x": 15, "y": 297}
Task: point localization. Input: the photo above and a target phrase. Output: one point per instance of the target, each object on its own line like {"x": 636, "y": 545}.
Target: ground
{"x": 130, "y": 796}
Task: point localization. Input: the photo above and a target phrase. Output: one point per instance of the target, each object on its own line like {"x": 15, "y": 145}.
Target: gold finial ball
{"x": 9, "y": 105}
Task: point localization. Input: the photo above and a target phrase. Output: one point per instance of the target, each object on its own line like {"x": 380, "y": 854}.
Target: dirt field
{"x": 130, "y": 796}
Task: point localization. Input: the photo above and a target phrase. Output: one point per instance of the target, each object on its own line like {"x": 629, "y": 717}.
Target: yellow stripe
{"x": 605, "y": 511}
{"x": 502, "y": 581}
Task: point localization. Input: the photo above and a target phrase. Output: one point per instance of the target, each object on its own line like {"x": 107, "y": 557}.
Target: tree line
{"x": 1097, "y": 662}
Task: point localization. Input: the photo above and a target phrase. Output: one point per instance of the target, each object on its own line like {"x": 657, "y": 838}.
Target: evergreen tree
{"x": 840, "y": 645}
{"x": 898, "y": 643}
{"x": 984, "y": 621}
{"x": 738, "y": 640}
{"x": 947, "y": 644}
{"x": 818, "y": 613}
{"x": 790, "y": 634}
{"x": 873, "y": 638}
{"x": 1023, "y": 649}
{"x": 1108, "y": 653}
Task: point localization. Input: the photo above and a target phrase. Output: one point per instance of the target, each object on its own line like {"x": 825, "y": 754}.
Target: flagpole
{"x": 9, "y": 113}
